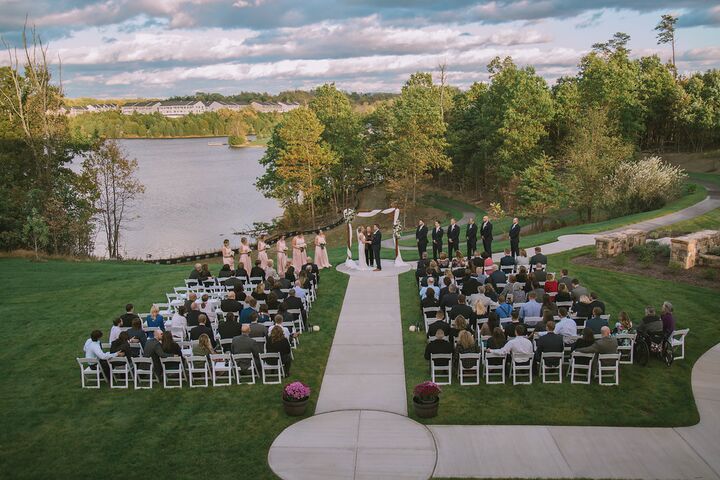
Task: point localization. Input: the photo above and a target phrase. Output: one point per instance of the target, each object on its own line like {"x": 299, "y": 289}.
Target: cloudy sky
{"x": 159, "y": 48}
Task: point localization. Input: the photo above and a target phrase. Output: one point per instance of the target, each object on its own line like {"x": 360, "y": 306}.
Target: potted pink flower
{"x": 426, "y": 399}
{"x": 295, "y": 398}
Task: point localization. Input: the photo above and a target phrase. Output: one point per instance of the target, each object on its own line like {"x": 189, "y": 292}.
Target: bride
{"x": 362, "y": 262}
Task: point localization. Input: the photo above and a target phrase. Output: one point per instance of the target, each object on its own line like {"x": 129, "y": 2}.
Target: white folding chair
{"x": 173, "y": 371}
{"x": 256, "y": 280}
{"x": 551, "y": 364}
{"x": 564, "y": 304}
{"x": 626, "y": 347}
{"x": 271, "y": 366}
{"x": 580, "y": 372}
{"x": 532, "y": 321}
{"x": 441, "y": 370}
{"x": 197, "y": 370}
{"x": 226, "y": 343}
{"x": 263, "y": 342}
{"x": 677, "y": 339}
{"x": 91, "y": 374}
{"x": 221, "y": 366}
{"x": 243, "y": 359}
{"x": 120, "y": 372}
{"x": 494, "y": 365}
{"x": 143, "y": 373}
{"x": 521, "y": 366}
{"x": 473, "y": 372}
{"x": 608, "y": 365}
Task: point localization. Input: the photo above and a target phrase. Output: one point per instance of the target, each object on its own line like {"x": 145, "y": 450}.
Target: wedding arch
{"x": 350, "y": 214}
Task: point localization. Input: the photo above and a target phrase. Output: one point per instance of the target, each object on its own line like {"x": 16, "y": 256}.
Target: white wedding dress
{"x": 361, "y": 264}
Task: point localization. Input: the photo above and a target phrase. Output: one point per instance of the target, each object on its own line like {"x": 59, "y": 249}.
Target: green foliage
{"x": 539, "y": 193}
{"x": 36, "y": 232}
{"x": 620, "y": 260}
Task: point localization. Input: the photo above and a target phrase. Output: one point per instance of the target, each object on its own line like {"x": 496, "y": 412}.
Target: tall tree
{"x": 540, "y": 192}
{"x": 666, "y": 34}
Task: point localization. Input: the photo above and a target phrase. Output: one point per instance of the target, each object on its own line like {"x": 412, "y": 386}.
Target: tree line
{"x": 535, "y": 148}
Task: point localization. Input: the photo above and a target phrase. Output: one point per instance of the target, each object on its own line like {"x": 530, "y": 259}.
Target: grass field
{"x": 651, "y": 396}
{"x": 707, "y": 221}
{"x": 51, "y": 428}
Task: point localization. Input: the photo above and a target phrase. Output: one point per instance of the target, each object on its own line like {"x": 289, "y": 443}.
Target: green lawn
{"x": 52, "y": 428}
{"x": 650, "y": 396}
{"x": 707, "y": 221}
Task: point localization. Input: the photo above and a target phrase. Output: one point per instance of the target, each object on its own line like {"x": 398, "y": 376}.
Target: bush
{"x": 620, "y": 259}
{"x": 709, "y": 274}
{"x": 641, "y": 186}
{"x": 674, "y": 267}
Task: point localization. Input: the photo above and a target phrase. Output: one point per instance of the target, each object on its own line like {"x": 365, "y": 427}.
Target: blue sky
{"x": 141, "y": 48}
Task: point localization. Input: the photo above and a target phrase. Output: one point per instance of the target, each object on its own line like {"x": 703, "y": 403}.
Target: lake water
{"x": 195, "y": 196}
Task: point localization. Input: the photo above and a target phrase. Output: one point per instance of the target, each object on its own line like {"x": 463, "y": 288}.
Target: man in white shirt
{"x": 279, "y": 324}
{"x": 566, "y": 327}
{"x": 430, "y": 285}
{"x": 93, "y": 349}
{"x": 520, "y": 345}
{"x": 480, "y": 297}
{"x": 299, "y": 291}
{"x": 531, "y": 308}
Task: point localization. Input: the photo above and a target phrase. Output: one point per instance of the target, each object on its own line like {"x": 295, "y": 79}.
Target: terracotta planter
{"x": 295, "y": 408}
{"x": 425, "y": 409}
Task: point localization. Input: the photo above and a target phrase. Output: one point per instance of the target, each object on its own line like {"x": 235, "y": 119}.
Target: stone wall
{"x": 686, "y": 250}
{"x": 613, "y": 244}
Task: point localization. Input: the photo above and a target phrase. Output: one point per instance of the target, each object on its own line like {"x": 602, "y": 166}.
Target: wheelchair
{"x": 656, "y": 344}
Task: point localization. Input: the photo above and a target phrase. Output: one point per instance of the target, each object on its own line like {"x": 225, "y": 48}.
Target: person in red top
{"x": 551, "y": 285}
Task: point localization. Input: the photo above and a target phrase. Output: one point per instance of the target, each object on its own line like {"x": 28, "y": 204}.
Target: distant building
{"x": 216, "y": 105}
{"x": 267, "y": 107}
{"x": 98, "y": 107}
{"x": 140, "y": 107}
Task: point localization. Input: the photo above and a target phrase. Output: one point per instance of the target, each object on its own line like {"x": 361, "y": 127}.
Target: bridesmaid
{"x": 303, "y": 251}
{"x": 228, "y": 254}
{"x": 321, "y": 255}
{"x": 297, "y": 243}
{"x": 262, "y": 252}
{"x": 282, "y": 249}
{"x": 245, "y": 254}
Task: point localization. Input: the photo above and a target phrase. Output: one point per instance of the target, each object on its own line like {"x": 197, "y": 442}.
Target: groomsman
{"x": 515, "y": 238}
{"x": 421, "y": 237}
{"x": 437, "y": 239}
{"x": 453, "y": 234}
{"x": 471, "y": 237}
{"x": 486, "y": 234}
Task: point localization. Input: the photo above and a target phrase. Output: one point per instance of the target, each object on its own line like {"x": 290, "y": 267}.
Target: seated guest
{"x": 193, "y": 315}
{"x": 250, "y": 308}
{"x": 651, "y": 323}
{"x": 541, "y": 326}
{"x": 496, "y": 276}
{"x": 624, "y": 324}
{"x": 153, "y": 350}
{"x": 272, "y": 301}
{"x": 230, "y": 327}
{"x": 566, "y": 326}
{"x": 466, "y": 344}
{"x": 459, "y": 324}
{"x": 289, "y": 275}
{"x": 446, "y": 282}
{"x": 595, "y": 302}
{"x": 487, "y": 261}
{"x": 439, "y": 323}
{"x": 155, "y": 319}
{"x": 492, "y": 322}
{"x": 509, "y": 328}
{"x": 548, "y": 343}
{"x": 122, "y": 344}
{"x": 263, "y": 315}
{"x": 257, "y": 270}
{"x": 497, "y": 340}
{"x": 522, "y": 259}
{"x": 230, "y": 304}
{"x": 313, "y": 267}
{"x": 129, "y": 315}
{"x": 225, "y": 272}
{"x": 549, "y": 305}
{"x": 450, "y": 299}
{"x": 540, "y": 274}
{"x": 195, "y": 273}
{"x": 115, "y": 330}
{"x": 539, "y": 291}
{"x": 469, "y": 283}
{"x": 477, "y": 261}
{"x": 242, "y": 274}
{"x": 518, "y": 293}
{"x": 279, "y": 320}
{"x": 565, "y": 279}
{"x": 538, "y": 258}
{"x": 507, "y": 260}
{"x": 234, "y": 283}
{"x": 300, "y": 289}
{"x": 208, "y": 308}
{"x": 577, "y": 290}
{"x": 480, "y": 275}
{"x": 191, "y": 298}
{"x": 504, "y": 309}
{"x": 244, "y": 343}
{"x": 668, "y": 321}
{"x": 259, "y": 292}
{"x": 429, "y": 300}
{"x": 461, "y": 308}
{"x": 136, "y": 332}
{"x": 491, "y": 293}
{"x": 178, "y": 320}
{"x": 422, "y": 265}
{"x": 438, "y": 346}
{"x": 169, "y": 345}
{"x": 278, "y": 343}
{"x": 431, "y": 286}
{"x": 603, "y": 345}
{"x": 202, "y": 328}
{"x": 258, "y": 329}
{"x": 93, "y": 349}
{"x": 596, "y": 322}
{"x": 292, "y": 302}
{"x": 563, "y": 294}
{"x": 480, "y": 297}
{"x": 531, "y": 308}
{"x": 519, "y": 344}
{"x": 204, "y": 347}
{"x": 522, "y": 275}
{"x": 551, "y": 285}
{"x": 582, "y": 307}
{"x": 443, "y": 261}
{"x": 205, "y": 274}
{"x": 270, "y": 271}
{"x": 587, "y": 339}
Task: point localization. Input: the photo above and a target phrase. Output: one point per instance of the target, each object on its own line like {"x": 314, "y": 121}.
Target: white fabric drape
{"x": 372, "y": 213}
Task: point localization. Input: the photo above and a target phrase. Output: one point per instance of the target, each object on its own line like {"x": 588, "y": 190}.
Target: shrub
{"x": 709, "y": 274}
{"x": 664, "y": 251}
{"x": 674, "y": 267}
{"x": 620, "y": 259}
{"x": 641, "y": 186}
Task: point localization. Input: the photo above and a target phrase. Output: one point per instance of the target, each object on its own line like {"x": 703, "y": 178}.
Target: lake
{"x": 195, "y": 196}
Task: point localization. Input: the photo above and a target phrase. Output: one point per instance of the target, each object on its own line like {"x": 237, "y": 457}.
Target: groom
{"x": 376, "y": 239}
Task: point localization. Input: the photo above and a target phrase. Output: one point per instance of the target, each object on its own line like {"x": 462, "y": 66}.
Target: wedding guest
{"x": 245, "y": 255}
{"x": 595, "y": 323}
{"x": 202, "y": 328}
{"x": 154, "y": 319}
{"x": 522, "y": 259}
{"x": 244, "y": 343}
{"x": 504, "y": 309}
{"x": 507, "y": 261}
{"x": 548, "y": 343}
{"x": 321, "y": 254}
{"x": 578, "y": 290}
{"x": 551, "y": 285}
{"x": 272, "y": 301}
{"x": 226, "y": 272}
{"x": 93, "y": 349}
{"x": 650, "y": 323}
{"x": 259, "y": 292}
{"x": 270, "y": 272}
{"x": 193, "y": 315}
{"x": 595, "y": 302}
{"x": 461, "y": 308}
{"x": 129, "y": 315}
{"x": 438, "y": 346}
{"x": 666, "y": 316}
{"x": 178, "y": 323}
{"x": 429, "y": 300}
{"x": 230, "y": 327}
{"x": 582, "y": 307}
{"x": 228, "y": 255}
{"x": 437, "y": 240}
{"x": 121, "y": 344}
{"x": 450, "y": 299}
{"x": 262, "y": 252}
{"x": 421, "y": 239}
{"x": 624, "y": 324}
{"x": 430, "y": 285}
{"x": 531, "y": 308}
{"x": 245, "y": 312}
{"x": 471, "y": 232}
{"x": 195, "y": 273}
{"x": 443, "y": 261}
{"x": 586, "y": 339}
{"x": 204, "y": 347}
{"x": 115, "y": 330}
{"x": 205, "y": 274}
{"x": 440, "y": 323}
{"x": 278, "y": 343}
{"x": 281, "y": 248}
{"x": 539, "y": 257}
{"x": 548, "y": 305}
{"x": 263, "y": 315}
{"x": 566, "y": 326}
{"x": 258, "y": 329}
{"x": 169, "y": 345}
{"x": 289, "y": 276}
{"x": 486, "y": 234}
{"x": 466, "y": 344}
{"x": 136, "y": 332}
{"x": 230, "y": 304}
{"x": 565, "y": 279}
{"x": 509, "y": 328}
{"x": 492, "y": 321}
{"x": 563, "y": 294}
{"x": 497, "y": 339}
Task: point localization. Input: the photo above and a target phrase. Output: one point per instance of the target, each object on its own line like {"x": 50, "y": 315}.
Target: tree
{"x": 666, "y": 34}
{"x": 36, "y": 232}
{"x": 660, "y": 96}
{"x": 114, "y": 173}
{"x": 540, "y": 193}
{"x": 297, "y": 161}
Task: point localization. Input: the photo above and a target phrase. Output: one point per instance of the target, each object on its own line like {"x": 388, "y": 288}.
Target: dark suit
{"x": 245, "y": 344}
{"x": 127, "y": 319}
{"x": 453, "y": 233}
{"x": 466, "y": 311}
{"x": 199, "y": 330}
{"x": 229, "y": 329}
{"x": 229, "y": 305}
{"x": 369, "y": 257}
{"x": 421, "y": 239}
{"x": 295, "y": 303}
{"x": 437, "y": 239}
{"x": 448, "y": 300}
{"x": 376, "y": 240}
{"x": 548, "y": 343}
{"x": 192, "y": 318}
{"x": 438, "y": 346}
{"x": 257, "y": 272}
{"x": 471, "y": 238}
{"x": 514, "y": 240}
{"x": 487, "y": 236}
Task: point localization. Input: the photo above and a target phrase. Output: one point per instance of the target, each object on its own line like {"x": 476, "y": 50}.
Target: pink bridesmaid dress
{"x": 228, "y": 257}
{"x": 281, "y": 256}
{"x": 297, "y": 254}
{"x": 262, "y": 254}
{"x": 245, "y": 258}
{"x": 321, "y": 255}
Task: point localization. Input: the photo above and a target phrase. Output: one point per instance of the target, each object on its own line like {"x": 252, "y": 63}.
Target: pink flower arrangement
{"x": 427, "y": 390}
{"x": 296, "y": 391}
